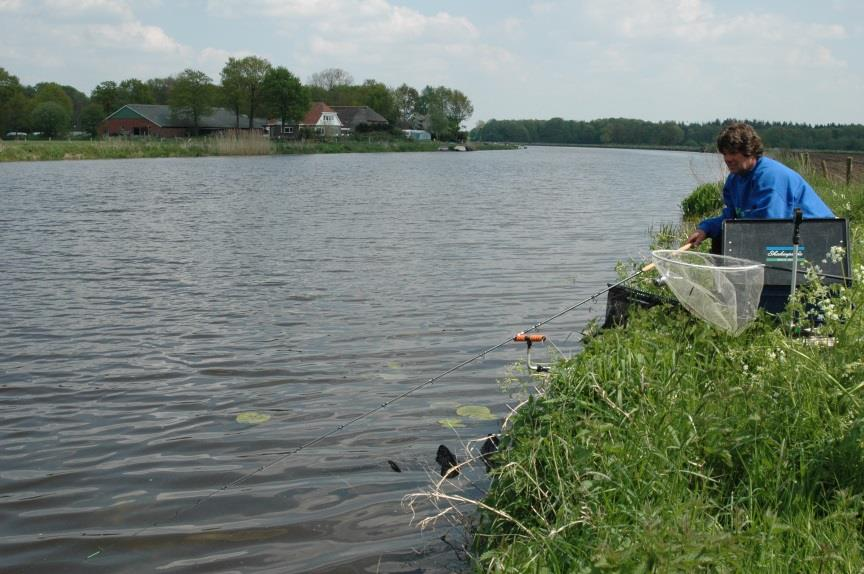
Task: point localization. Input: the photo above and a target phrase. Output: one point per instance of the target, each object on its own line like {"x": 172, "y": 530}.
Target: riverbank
{"x": 669, "y": 446}
{"x": 118, "y": 148}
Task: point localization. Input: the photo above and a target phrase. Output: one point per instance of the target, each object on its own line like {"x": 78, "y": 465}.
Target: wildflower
{"x": 836, "y": 253}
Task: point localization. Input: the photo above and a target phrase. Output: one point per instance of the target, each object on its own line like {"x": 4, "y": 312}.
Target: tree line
{"x": 248, "y": 86}
{"x": 632, "y": 132}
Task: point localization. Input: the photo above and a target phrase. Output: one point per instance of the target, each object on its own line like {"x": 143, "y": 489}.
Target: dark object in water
{"x": 447, "y": 460}
{"x": 489, "y": 447}
{"x": 620, "y": 298}
{"x": 394, "y": 466}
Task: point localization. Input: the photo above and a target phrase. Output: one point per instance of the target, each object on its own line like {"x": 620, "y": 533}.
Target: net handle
{"x": 650, "y": 266}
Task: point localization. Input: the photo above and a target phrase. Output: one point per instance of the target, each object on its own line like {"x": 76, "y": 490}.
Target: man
{"x": 757, "y": 187}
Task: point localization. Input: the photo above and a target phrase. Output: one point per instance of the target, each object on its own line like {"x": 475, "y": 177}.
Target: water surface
{"x": 148, "y": 303}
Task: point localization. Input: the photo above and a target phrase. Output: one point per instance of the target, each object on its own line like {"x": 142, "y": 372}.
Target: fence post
{"x": 849, "y": 170}
{"x": 824, "y": 169}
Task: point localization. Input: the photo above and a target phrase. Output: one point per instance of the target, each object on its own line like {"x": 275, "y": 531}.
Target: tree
{"x": 669, "y": 133}
{"x": 160, "y": 88}
{"x": 134, "y": 91}
{"x": 231, "y": 91}
{"x": 331, "y": 78}
{"x": 457, "y": 108}
{"x": 192, "y": 96}
{"x": 107, "y": 95}
{"x": 241, "y": 84}
{"x": 378, "y": 97}
{"x": 91, "y": 117}
{"x": 79, "y": 102}
{"x": 16, "y": 113}
{"x": 434, "y": 104}
{"x": 406, "y": 103}
{"x": 282, "y": 92}
{"x": 51, "y": 118}
{"x": 555, "y": 131}
{"x": 11, "y": 94}
{"x": 52, "y": 92}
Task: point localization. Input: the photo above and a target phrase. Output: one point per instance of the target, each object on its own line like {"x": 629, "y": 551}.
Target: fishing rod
{"x": 519, "y": 337}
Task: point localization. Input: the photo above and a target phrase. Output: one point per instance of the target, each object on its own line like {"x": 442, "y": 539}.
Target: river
{"x": 174, "y": 333}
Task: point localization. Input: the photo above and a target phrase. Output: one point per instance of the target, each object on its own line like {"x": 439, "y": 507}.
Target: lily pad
{"x": 252, "y": 418}
{"x": 451, "y": 423}
{"x": 475, "y": 412}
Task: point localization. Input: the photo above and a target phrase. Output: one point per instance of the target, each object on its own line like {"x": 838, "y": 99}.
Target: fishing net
{"x": 721, "y": 290}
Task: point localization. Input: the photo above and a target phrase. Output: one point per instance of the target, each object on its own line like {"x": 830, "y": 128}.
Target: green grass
{"x": 668, "y": 446}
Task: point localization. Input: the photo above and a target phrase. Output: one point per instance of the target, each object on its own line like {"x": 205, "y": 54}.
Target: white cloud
{"x": 119, "y": 7}
{"x": 325, "y": 47}
{"x": 371, "y": 34}
{"x": 538, "y": 8}
{"x": 272, "y": 8}
{"x": 369, "y": 21}
{"x": 10, "y": 5}
{"x": 134, "y": 36}
{"x": 694, "y": 29}
{"x": 511, "y": 25}
{"x": 213, "y": 56}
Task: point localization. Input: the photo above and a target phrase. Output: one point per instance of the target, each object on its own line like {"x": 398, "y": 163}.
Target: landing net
{"x": 721, "y": 290}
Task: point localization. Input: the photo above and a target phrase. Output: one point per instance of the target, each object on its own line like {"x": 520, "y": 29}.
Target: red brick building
{"x": 159, "y": 120}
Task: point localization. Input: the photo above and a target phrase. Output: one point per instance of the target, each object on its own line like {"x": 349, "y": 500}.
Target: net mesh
{"x": 721, "y": 290}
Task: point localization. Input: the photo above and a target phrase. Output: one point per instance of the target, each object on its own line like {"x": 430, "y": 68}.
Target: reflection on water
{"x": 148, "y": 303}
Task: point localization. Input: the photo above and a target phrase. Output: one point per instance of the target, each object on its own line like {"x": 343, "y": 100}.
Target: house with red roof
{"x": 322, "y": 120}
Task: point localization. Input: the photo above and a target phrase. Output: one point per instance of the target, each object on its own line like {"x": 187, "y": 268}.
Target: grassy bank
{"x": 117, "y": 148}
{"x": 668, "y": 446}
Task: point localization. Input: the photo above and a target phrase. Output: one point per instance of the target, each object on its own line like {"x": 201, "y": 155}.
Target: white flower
{"x": 836, "y": 254}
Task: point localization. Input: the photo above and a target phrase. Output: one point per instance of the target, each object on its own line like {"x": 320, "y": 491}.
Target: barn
{"x": 161, "y": 121}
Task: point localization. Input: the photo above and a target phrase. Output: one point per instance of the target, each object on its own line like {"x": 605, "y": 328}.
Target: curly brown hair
{"x": 740, "y": 138}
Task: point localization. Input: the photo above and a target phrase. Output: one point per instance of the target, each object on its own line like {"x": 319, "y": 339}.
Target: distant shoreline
{"x": 59, "y": 150}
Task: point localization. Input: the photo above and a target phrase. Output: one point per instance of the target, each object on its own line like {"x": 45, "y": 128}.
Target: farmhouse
{"x": 354, "y": 116}
{"x": 159, "y": 120}
{"x": 322, "y": 120}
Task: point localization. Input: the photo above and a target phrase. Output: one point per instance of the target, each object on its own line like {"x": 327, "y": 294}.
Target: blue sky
{"x": 682, "y": 60}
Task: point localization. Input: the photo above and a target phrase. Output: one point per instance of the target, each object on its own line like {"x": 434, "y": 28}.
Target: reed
{"x": 239, "y": 143}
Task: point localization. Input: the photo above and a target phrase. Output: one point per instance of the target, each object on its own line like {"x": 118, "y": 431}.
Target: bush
{"x": 707, "y": 199}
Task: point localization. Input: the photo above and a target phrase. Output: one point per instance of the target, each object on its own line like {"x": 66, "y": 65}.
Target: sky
{"x": 656, "y": 60}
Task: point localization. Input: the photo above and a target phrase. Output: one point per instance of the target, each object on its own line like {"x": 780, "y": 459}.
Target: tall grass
{"x": 668, "y": 446}
{"x": 239, "y": 143}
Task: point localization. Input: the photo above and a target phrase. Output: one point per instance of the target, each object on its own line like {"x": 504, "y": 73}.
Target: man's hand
{"x": 696, "y": 237}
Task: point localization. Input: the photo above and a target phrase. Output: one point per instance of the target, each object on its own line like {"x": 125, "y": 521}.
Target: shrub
{"x": 707, "y": 199}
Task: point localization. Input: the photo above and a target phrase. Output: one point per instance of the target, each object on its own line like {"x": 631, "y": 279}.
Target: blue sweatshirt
{"x": 768, "y": 191}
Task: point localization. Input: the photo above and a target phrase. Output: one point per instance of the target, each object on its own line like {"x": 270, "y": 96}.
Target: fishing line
{"x": 230, "y": 485}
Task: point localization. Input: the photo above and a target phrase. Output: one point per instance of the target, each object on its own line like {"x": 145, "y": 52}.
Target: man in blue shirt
{"x": 757, "y": 187}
